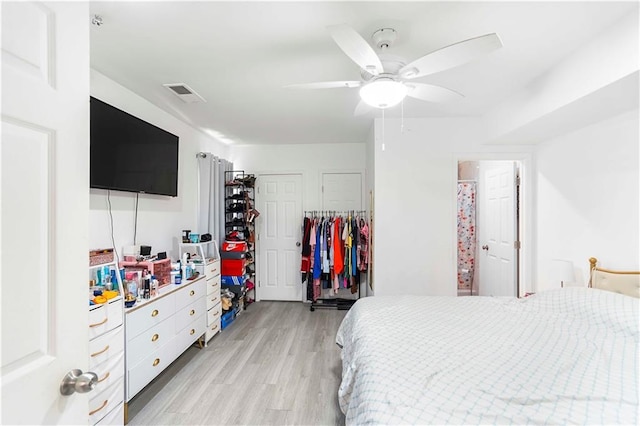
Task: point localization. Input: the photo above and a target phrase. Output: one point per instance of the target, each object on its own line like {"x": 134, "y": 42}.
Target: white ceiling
{"x": 239, "y": 55}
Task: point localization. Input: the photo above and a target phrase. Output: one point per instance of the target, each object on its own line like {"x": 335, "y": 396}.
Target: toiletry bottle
{"x": 132, "y": 286}
{"x": 154, "y": 286}
{"x": 147, "y": 288}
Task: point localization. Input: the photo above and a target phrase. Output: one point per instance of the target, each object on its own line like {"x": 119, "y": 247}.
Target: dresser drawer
{"x": 110, "y": 371}
{"x": 141, "y": 374}
{"x": 149, "y": 315}
{"x": 114, "y": 418}
{"x": 105, "y": 318}
{"x": 189, "y": 313}
{"x": 213, "y": 314}
{"x": 186, "y": 296}
{"x": 189, "y": 334}
{"x": 213, "y": 286}
{"x": 149, "y": 340}
{"x": 103, "y": 402}
{"x": 212, "y": 329}
{"x": 212, "y": 268}
{"x": 103, "y": 347}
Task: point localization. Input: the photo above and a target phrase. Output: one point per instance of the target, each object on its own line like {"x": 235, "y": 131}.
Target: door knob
{"x": 485, "y": 247}
{"x": 297, "y": 243}
{"x": 77, "y": 381}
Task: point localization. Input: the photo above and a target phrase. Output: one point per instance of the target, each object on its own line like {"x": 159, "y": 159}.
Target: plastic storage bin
{"x": 227, "y": 319}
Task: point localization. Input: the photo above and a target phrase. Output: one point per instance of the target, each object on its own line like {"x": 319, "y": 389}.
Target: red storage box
{"x": 235, "y": 246}
{"x": 234, "y": 267}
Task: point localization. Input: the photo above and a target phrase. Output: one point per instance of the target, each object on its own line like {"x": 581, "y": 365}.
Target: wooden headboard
{"x": 624, "y": 282}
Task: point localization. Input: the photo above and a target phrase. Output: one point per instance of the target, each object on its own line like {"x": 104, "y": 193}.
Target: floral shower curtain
{"x": 466, "y": 234}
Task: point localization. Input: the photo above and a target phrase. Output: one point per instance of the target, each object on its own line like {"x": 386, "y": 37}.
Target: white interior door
{"x": 341, "y": 191}
{"x": 497, "y": 228}
{"x": 45, "y": 206}
{"x": 280, "y": 201}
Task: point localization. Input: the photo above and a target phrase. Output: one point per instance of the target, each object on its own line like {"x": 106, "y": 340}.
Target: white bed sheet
{"x": 561, "y": 357}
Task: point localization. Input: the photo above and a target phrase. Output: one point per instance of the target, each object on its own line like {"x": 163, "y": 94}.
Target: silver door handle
{"x": 485, "y": 247}
{"x": 77, "y": 381}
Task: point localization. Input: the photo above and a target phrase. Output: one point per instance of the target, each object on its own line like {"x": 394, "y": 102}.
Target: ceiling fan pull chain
{"x": 402, "y": 117}
{"x": 383, "y": 129}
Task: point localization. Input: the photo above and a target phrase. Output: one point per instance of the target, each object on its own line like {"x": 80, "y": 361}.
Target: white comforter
{"x": 563, "y": 356}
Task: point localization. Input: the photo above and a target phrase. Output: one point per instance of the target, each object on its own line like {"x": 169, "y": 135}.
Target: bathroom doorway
{"x": 488, "y": 228}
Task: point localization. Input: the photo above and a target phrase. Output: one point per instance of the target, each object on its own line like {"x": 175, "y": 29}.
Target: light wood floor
{"x": 277, "y": 363}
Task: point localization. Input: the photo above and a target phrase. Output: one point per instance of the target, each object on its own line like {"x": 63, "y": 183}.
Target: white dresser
{"x": 214, "y": 307}
{"x": 106, "y": 359}
{"x": 160, "y": 329}
{"x": 209, "y": 256}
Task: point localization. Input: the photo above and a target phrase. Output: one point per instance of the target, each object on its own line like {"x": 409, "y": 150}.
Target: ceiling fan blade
{"x": 326, "y": 85}
{"x": 362, "y": 108}
{"x": 356, "y": 48}
{"x": 431, "y": 93}
{"x": 451, "y": 56}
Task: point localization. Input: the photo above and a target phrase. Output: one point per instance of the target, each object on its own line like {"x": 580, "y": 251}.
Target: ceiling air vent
{"x": 184, "y": 92}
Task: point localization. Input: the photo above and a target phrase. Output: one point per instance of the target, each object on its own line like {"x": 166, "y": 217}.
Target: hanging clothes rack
{"x": 339, "y": 303}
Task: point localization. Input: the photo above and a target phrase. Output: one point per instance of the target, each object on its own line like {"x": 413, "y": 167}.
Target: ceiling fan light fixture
{"x": 383, "y": 93}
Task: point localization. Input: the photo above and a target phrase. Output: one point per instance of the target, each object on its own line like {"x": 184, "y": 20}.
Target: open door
{"x": 497, "y": 228}
{"x": 45, "y": 210}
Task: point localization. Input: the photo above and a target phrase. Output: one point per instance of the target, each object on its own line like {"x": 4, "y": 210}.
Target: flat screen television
{"x": 129, "y": 154}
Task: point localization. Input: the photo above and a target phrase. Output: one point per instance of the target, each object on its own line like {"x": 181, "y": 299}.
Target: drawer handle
{"x": 104, "y": 404}
{"x": 214, "y": 327}
{"x": 192, "y": 312}
{"x": 192, "y": 292}
{"x": 155, "y": 337}
{"x": 99, "y": 323}
{"x": 155, "y": 313}
{"x": 192, "y": 331}
{"x": 106, "y": 376}
{"x": 214, "y": 299}
{"x": 156, "y": 361}
{"x": 106, "y": 348}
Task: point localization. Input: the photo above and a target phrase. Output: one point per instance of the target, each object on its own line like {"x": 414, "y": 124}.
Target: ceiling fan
{"x": 386, "y": 79}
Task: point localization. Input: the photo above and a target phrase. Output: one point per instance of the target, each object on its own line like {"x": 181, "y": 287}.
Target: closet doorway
{"x": 488, "y": 207}
{"x": 279, "y": 201}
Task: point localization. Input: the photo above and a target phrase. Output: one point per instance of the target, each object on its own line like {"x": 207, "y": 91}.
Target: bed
{"x": 561, "y": 356}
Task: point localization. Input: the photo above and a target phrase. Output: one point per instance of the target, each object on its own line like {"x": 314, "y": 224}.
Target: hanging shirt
{"x": 325, "y": 257}
{"x": 338, "y": 256}
{"x": 364, "y": 246}
{"x": 317, "y": 259}
{"x": 347, "y": 247}
{"x": 306, "y": 248}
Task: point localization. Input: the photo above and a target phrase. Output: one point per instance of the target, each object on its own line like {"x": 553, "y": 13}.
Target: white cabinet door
{"x": 45, "y": 209}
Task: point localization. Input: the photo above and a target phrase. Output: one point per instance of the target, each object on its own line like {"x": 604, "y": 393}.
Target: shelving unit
{"x": 239, "y": 216}
{"x": 106, "y": 353}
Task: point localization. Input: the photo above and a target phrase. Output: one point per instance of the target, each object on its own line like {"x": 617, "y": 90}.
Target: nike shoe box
{"x": 232, "y": 267}
{"x": 233, "y": 246}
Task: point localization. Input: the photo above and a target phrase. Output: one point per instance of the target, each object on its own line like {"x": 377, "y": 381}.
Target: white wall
{"x": 160, "y": 218}
{"x": 370, "y": 188}
{"x": 415, "y": 198}
{"x": 588, "y": 194}
{"x": 310, "y": 160}
{"x": 607, "y": 58}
